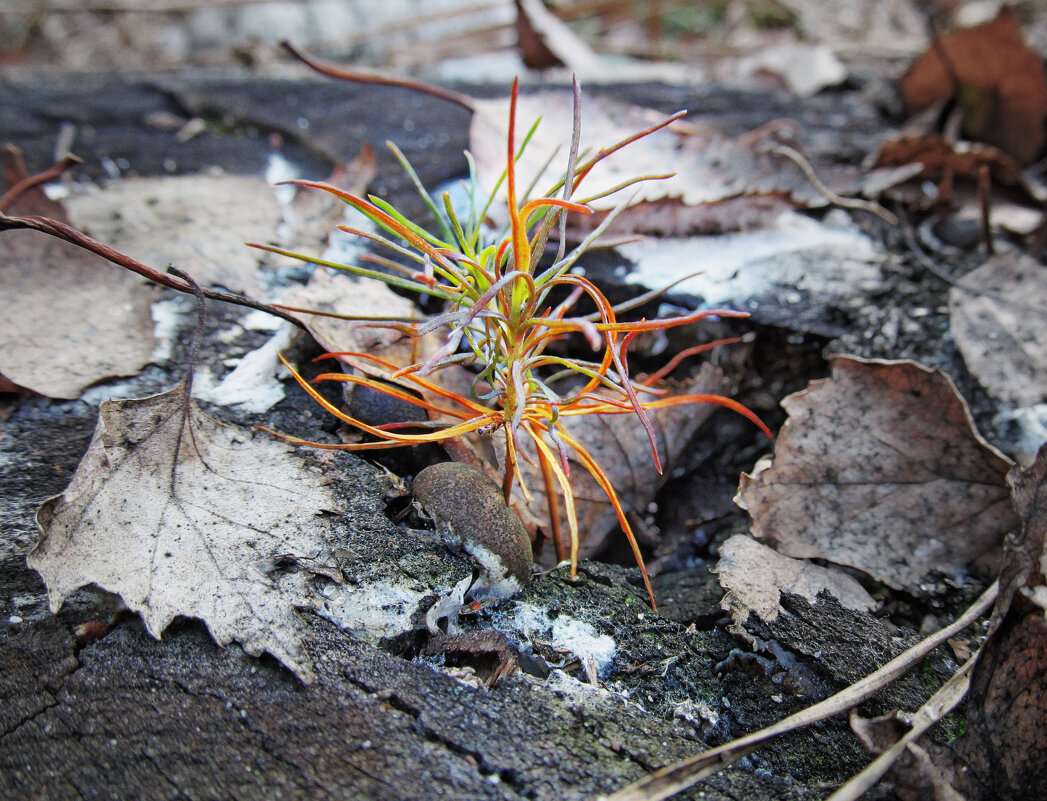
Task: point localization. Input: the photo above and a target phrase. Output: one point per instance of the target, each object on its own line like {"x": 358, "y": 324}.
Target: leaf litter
{"x": 1000, "y": 327}
{"x": 997, "y": 81}
{"x": 197, "y": 222}
{"x": 755, "y": 576}
{"x": 707, "y": 167}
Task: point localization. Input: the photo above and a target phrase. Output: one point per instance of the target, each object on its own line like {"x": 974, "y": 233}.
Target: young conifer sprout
{"x": 500, "y": 319}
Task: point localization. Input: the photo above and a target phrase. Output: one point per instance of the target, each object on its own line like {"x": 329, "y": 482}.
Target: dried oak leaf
{"x": 1000, "y": 327}
{"x": 199, "y": 223}
{"x": 998, "y": 82}
{"x": 181, "y": 515}
{"x": 755, "y": 576}
{"x": 880, "y": 468}
{"x": 71, "y": 318}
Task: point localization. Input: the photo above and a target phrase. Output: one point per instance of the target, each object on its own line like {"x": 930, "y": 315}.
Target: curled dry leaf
{"x": 998, "y": 83}
{"x": 71, "y": 319}
{"x": 1025, "y": 553}
{"x": 1000, "y": 326}
{"x": 880, "y": 468}
{"x": 181, "y": 515}
{"x": 755, "y": 577}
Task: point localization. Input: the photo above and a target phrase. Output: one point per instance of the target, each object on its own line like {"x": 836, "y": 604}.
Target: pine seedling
{"x": 501, "y": 312}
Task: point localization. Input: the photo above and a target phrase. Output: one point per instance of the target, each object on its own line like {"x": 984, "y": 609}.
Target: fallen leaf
{"x": 792, "y": 271}
{"x": 340, "y": 294}
{"x": 997, "y": 81}
{"x": 803, "y": 68}
{"x": 923, "y": 772}
{"x": 1007, "y": 711}
{"x": 1026, "y": 550}
{"x": 487, "y": 652}
{"x": 1006, "y": 730}
{"x": 939, "y": 158}
{"x": 708, "y": 168}
{"x": 881, "y": 468}
{"x": 181, "y": 515}
{"x": 198, "y": 223}
{"x": 755, "y": 576}
{"x": 1000, "y": 327}
{"x": 71, "y": 318}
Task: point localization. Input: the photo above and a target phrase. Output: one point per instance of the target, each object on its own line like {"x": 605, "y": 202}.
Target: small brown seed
{"x": 467, "y": 505}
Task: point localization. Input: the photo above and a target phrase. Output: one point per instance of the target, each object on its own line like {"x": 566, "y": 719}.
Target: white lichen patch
{"x": 377, "y": 610}
{"x": 567, "y": 634}
{"x": 737, "y": 267}
{"x": 383, "y": 609}
{"x": 494, "y": 580}
{"x": 167, "y": 316}
{"x": 252, "y": 386}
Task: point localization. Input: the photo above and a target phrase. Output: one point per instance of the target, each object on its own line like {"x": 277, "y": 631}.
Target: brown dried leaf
{"x": 1007, "y": 712}
{"x": 940, "y": 158}
{"x": 181, "y": 515}
{"x": 922, "y": 772}
{"x": 880, "y": 468}
{"x": 755, "y": 576}
{"x": 1000, "y": 327}
{"x": 198, "y": 223}
{"x": 998, "y": 82}
{"x": 1026, "y": 551}
{"x": 71, "y": 318}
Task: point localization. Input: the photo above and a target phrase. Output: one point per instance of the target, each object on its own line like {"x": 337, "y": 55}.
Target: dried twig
{"x": 67, "y": 233}
{"x": 869, "y": 206}
{"x": 675, "y": 778}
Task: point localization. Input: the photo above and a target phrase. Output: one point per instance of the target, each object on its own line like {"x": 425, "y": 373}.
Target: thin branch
{"x": 353, "y": 76}
{"x": 837, "y": 200}
{"x": 67, "y": 233}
